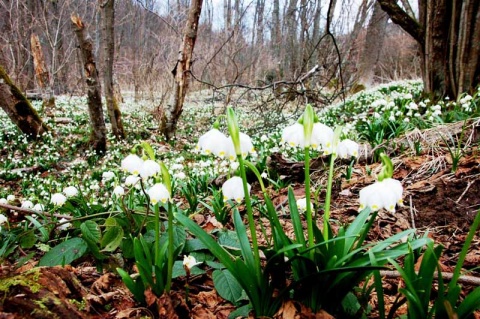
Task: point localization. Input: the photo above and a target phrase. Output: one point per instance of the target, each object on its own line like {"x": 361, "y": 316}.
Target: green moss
{"x": 28, "y": 279}
{"x": 80, "y": 305}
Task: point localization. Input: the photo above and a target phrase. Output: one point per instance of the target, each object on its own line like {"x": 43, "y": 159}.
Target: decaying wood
{"x": 45, "y": 292}
{"x": 98, "y": 138}
{"x": 41, "y": 71}
{"x": 19, "y": 109}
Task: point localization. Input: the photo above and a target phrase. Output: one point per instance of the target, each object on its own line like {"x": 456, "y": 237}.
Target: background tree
{"x": 108, "y": 18}
{"x": 448, "y": 33}
{"x": 98, "y": 138}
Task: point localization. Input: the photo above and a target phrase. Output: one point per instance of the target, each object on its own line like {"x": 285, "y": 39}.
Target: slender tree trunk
{"x": 98, "y": 138}
{"x": 181, "y": 71}
{"x": 276, "y": 31}
{"x": 19, "y": 109}
{"x": 108, "y": 12}
{"x": 373, "y": 46}
{"x": 43, "y": 77}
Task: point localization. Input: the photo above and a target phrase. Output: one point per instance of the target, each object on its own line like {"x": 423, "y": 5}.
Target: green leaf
{"x": 40, "y": 227}
{"x": 64, "y": 253}
{"x": 91, "y": 231}
{"x": 136, "y": 287}
{"x": 241, "y": 312}
{"x": 28, "y": 239}
{"x": 229, "y": 240}
{"x": 112, "y": 238}
{"x": 227, "y": 286}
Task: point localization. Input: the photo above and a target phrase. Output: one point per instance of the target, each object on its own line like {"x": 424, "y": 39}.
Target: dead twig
{"x": 446, "y": 276}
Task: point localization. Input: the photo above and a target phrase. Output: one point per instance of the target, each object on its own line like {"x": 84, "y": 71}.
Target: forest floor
{"x": 437, "y": 200}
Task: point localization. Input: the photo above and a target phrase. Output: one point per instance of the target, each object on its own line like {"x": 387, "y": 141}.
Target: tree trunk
{"x": 373, "y": 46}
{"x": 174, "y": 109}
{"x": 448, "y": 32}
{"x": 108, "y": 17}
{"x": 98, "y": 138}
{"x": 43, "y": 77}
{"x": 19, "y": 109}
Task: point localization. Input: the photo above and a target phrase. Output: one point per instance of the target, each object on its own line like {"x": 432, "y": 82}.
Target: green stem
{"x": 156, "y": 211}
{"x": 170, "y": 248}
{"x": 308, "y": 212}
{"x": 326, "y": 215}
{"x": 251, "y": 221}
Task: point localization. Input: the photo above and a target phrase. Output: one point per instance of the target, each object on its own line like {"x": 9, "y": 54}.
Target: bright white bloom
{"x": 385, "y": 194}
{"x": 149, "y": 168}
{"x": 264, "y": 175}
{"x": 70, "y": 191}
{"x": 263, "y": 138}
{"x": 213, "y": 142}
{"x": 347, "y": 148}
{"x": 131, "y": 180}
{"x": 246, "y": 145}
{"x": 3, "y": 201}
{"x": 233, "y": 189}
{"x": 10, "y": 198}
{"x": 107, "y": 176}
{"x": 158, "y": 193}
{"x": 27, "y": 204}
{"x": 3, "y": 219}
{"x": 302, "y": 205}
{"x": 119, "y": 191}
{"x": 63, "y": 226}
{"x": 322, "y": 138}
{"x": 293, "y": 135}
{"x": 58, "y": 199}
{"x": 38, "y": 208}
{"x": 180, "y": 175}
{"x": 132, "y": 164}
{"x": 189, "y": 261}
{"x": 234, "y": 165}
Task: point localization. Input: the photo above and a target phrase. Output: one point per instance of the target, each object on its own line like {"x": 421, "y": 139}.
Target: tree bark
{"x": 108, "y": 17}
{"x": 448, "y": 32}
{"x": 174, "y": 109}
{"x": 43, "y": 77}
{"x": 19, "y": 109}
{"x": 98, "y": 138}
{"x": 373, "y": 46}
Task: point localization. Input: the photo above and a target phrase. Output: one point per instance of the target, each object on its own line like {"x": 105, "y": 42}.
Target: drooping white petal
{"x": 322, "y": 137}
{"x": 385, "y": 194}
{"x": 149, "y": 168}
{"x": 347, "y": 148}
{"x": 27, "y": 204}
{"x": 132, "y": 164}
{"x": 189, "y": 261}
{"x": 233, "y": 189}
{"x": 119, "y": 191}
{"x": 3, "y": 219}
{"x": 302, "y": 204}
{"x": 396, "y": 187}
{"x": 131, "y": 180}
{"x": 58, "y": 199}
{"x": 293, "y": 135}
{"x": 212, "y": 142}
{"x": 158, "y": 193}
{"x": 246, "y": 144}
{"x": 70, "y": 191}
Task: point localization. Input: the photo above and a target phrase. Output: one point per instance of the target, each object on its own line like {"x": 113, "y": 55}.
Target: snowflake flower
{"x": 347, "y": 148}
{"x": 189, "y": 261}
{"x": 58, "y": 199}
{"x": 302, "y": 205}
{"x": 158, "y": 193}
{"x": 70, "y": 191}
{"x": 233, "y": 189}
{"x": 132, "y": 164}
{"x": 385, "y": 194}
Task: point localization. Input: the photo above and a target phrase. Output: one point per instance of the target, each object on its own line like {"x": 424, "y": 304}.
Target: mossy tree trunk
{"x": 98, "y": 139}
{"x": 19, "y": 109}
{"x": 108, "y": 18}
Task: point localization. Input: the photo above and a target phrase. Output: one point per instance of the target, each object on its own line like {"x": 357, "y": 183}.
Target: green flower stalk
{"x": 168, "y": 184}
{"x": 387, "y": 169}
{"x": 308, "y": 121}
{"x": 235, "y": 135}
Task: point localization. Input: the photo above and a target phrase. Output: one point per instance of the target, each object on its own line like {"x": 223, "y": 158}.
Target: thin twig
{"x": 446, "y": 276}
{"x": 465, "y": 191}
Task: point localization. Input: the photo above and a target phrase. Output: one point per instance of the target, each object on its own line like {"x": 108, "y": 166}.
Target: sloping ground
{"x": 437, "y": 200}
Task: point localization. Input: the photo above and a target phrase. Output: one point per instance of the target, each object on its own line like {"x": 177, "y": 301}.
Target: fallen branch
{"x": 446, "y": 276}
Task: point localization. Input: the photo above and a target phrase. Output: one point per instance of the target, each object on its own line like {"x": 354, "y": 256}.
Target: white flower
{"x": 385, "y": 194}
{"x": 70, "y": 191}
{"x": 293, "y": 135}
{"x": 10, "y": 198}
{"x": 180, "y": 175}
{"x": 322, "y": 138}
{"x": 264, "y": 175}
{"x": 149, "y": 168}
{"x": 131, "y": 180}
{"x": 107, "y": 176}
{"x": 263, "y": 138}
{"x": 233, "y": 189}
{"x": 64, "y": 225}
{"x": 347, "y": 148}
{"x": 119, "y": 191}
{"x": 132, "y": 164}
{"x": 246, "y": 145}
{"x": 302, "y": 204}
{"x": 3, "y": 219}
{"x": 158, "y": 193}
{"x": 189, "y": 261}
{"x": 234, "y": 165}
{"x": 27, "y": 204}
{"x": 213, "y": 142}
{"x": 3, "y": 201}
{"x": 58, "y": 199}
{"x": 38, "y": 208}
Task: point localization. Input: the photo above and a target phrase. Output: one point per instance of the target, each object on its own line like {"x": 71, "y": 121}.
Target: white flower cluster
{"x": 216, "y": 143}
{"x": 385, "y": 194}
{"x": 137, "y": 166}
